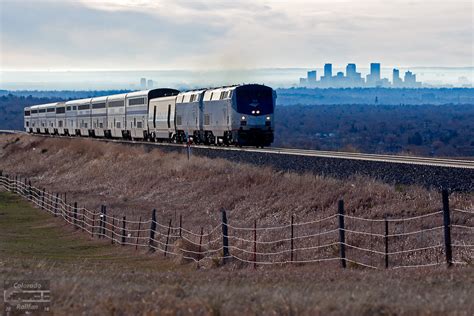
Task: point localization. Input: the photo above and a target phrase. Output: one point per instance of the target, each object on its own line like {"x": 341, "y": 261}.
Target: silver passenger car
{"x": 27, "y": 122}
{"x": 98, "y": 116}
{"x": 161, "y": 118}
{"x": 60, "y": 119}
{"x": 189, "y": 116}
{"x": 116, "y": 122}
{"x": 137, "y": 111}
{"x": 34, "y": 118}
{"x": 83, "y": 116}
{"x": 70, "y": 124}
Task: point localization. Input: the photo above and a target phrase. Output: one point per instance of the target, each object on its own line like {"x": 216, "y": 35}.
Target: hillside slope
{"x": 132, "y": 181}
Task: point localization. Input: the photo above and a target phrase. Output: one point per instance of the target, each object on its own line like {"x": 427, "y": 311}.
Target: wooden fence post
{"x": 225, "y": 237}
{"x": 104, "y": 222}
{"x": 123, "y": 230}
{"x": 255, "y": 244}
{"x": 342, "y": 235}
{"x": 112, "y": 233}
{"x": 386, "y": 242}
{"x": 56, "y": 205}
{"x": 75, "y": 214}
{"x": 167, "y": 237}
{"x": 25, "y": 190}
{"x": 180, "y": 225}
{"x": 200, "y": 240}
{"x": 42, "y": 199}
{"x": 138, "y": 232}
{"x": 101, "y": 217}
{"x": 291, "y": 238}
{"x": 151, "y": 243}
{"x": 7, "y": 180}
{"x": 93, "y": 224}
{"x": 447, "y": 228}
{"x": 30, "y": 195}
{"x": 83, "y": 217}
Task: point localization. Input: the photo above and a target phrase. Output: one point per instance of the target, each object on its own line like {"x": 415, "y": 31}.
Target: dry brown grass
{"x": 134, "y": 180}
{"x": 90, "y": 277}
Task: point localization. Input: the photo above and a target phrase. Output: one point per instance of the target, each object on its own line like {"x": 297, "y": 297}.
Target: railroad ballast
{"x": 234, "y": 115}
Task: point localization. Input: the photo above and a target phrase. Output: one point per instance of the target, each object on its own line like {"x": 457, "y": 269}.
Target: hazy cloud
{"x": 153, "y": 34}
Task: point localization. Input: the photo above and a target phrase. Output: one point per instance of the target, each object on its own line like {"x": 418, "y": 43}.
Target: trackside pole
{"x": 447, "y": 228}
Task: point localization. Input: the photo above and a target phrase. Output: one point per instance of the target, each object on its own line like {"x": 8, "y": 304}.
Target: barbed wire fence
{"x": 441, "y": 237}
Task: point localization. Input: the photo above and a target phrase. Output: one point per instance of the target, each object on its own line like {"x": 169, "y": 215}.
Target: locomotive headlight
{"x": 243, "y": 118}
{"x": 268, "y": 118}
{"x": 258, "y": 112}
{"x": 253, "y": 112}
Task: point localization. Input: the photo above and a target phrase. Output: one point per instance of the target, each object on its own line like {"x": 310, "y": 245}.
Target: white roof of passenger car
{"x": 80, "y": 101}
{"x": 47, "y": 105}
{"x": 143, "y": 93}
{"x": 99, "y": 99}
{"x": 117, "y": 97}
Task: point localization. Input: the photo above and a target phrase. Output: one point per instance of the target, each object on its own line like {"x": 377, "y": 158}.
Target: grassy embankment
{"x": 96, "y": 278}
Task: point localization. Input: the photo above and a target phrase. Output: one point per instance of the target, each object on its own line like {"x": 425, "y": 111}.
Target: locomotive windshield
{"x": 254, "y": 97}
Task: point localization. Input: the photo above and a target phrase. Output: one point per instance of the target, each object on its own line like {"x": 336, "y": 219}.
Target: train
{"x": 241, "y": 115}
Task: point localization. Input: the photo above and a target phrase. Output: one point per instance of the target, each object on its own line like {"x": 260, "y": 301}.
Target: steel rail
{"x": 424, "y": 161}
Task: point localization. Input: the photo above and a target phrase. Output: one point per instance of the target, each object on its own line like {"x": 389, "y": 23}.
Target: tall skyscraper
{"x": 353, "y": 78}
{"x": 143, "y": 83}
{"x": 396, "y": 80}
{"x": 312, "y": 76}
{"x": 150, "y": 84}
{"x": 410, "y": 80}
{"x": 328, "y": 71}
{"x": 351, "y": 70}
{"x": 375, "y": 70}
{"x": 373, "y": 79}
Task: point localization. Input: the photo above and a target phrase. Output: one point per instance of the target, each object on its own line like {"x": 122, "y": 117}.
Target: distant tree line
{"x": 421, "y": 129}
{"x": 428, "y": 130}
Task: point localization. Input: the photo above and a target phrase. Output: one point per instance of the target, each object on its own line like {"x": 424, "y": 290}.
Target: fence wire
{"x": 315, "y": 241}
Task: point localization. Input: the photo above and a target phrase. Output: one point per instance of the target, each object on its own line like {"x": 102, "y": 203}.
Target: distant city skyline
{"x": 220, "y": 35}
{"x": 354, "y": 79}
{"x": 188, "y": 79}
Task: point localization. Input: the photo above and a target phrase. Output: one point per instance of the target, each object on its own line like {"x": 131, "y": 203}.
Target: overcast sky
{"x": 188, "y": 34}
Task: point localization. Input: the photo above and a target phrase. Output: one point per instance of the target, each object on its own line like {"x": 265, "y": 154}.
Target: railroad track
{"x": 425, "y": 161}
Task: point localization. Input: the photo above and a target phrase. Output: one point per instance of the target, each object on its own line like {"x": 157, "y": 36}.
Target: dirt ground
{"x": 95, "y": 278}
